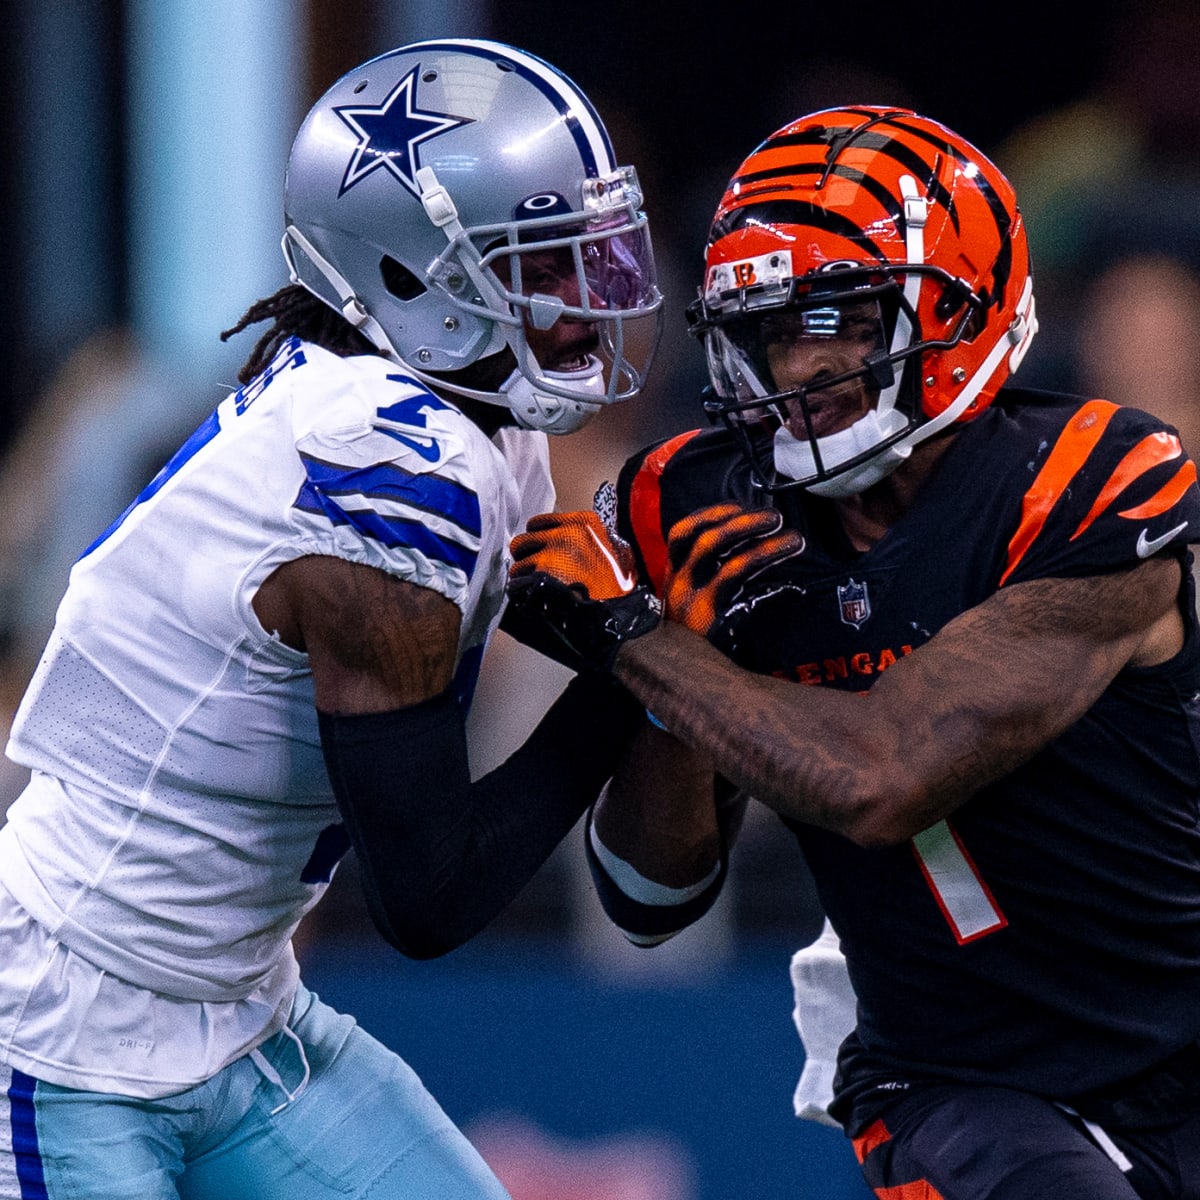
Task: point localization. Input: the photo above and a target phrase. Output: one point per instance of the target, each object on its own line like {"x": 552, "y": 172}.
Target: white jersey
{"x": 179, "y": 821}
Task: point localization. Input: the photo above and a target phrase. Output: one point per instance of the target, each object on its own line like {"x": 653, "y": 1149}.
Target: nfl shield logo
{"x": 856, "y": 608}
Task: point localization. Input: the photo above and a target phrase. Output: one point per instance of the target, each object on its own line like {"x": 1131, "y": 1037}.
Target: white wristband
{"x": 636, "y": 886}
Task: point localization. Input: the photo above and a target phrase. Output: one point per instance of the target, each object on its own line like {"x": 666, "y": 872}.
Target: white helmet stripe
{"x": 1015, "y": 342}
{"x": 916, "y": 213}
{"x": 581, "y": 118}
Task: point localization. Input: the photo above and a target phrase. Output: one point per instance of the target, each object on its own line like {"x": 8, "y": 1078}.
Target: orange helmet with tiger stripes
{"x": 863, "y": 204}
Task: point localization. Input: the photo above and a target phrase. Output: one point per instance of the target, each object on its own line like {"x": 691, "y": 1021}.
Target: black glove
{"x": 559, "y": 621}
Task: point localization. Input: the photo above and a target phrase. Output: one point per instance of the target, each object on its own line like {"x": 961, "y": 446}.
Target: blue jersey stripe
{"x": 389, "y": 531}
{"x": 209, "y": 428}
{"x": 24, "y": 1137}
{"x": 429, "y": 493}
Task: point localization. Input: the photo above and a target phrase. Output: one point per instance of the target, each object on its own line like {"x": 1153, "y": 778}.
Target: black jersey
{"x": 1047, "y": 935}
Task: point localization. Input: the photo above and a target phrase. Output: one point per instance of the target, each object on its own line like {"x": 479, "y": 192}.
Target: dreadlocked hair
{"x": 296, "y": 312}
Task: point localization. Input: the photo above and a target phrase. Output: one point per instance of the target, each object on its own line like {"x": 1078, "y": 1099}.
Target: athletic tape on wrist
{"x": 637, "y": 887}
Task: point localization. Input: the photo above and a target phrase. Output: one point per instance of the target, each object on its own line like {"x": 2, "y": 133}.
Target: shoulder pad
{"x": 667, "y": 481}
{"x": 1112, "y": 487}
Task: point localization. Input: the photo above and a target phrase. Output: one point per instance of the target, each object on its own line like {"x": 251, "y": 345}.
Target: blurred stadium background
{"x": 145, "y": 142}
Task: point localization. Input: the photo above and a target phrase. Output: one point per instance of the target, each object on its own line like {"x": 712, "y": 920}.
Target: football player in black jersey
{"x": 945, "y": 629}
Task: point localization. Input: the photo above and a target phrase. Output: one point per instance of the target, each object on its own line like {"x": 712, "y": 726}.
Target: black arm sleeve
{"x": 441, "y": 856}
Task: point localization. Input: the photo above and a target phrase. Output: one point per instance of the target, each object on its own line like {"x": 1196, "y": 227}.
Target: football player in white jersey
{"x": 268, "y": 656}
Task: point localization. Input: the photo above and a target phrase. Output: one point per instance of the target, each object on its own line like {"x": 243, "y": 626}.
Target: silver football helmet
{"x": 454, "y": 200}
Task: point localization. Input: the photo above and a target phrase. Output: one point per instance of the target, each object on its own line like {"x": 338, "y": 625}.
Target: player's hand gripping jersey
{"x": 180, "y": 820}
{"x": 991, "y": 947}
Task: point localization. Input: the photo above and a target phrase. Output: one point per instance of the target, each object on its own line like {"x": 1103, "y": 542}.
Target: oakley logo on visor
{"x": 544, "y": 204}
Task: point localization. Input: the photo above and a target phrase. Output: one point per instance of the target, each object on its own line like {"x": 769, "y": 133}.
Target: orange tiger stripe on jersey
{"x": 1167, "y": 495}
{"x": 645, "y": 508}
{"x": 871, "y": 1139}
{"x": 874, "y": 1135}
{"x": 1149, "y": 452}
{"x": 920, "y": 1189}
{"x": 1070, "y": 452}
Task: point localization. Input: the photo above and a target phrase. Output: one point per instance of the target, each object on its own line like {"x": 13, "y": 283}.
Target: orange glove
{"x": 572, "y": 592}
{"x": 576, "y": 549}
{"x": 713, "y": 553}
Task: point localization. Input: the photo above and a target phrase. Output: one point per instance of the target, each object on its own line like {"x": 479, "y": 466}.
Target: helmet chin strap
{"x": 795, "y": 459}
{"x": 349, "y": 304}
{"x": 534, "y": 409}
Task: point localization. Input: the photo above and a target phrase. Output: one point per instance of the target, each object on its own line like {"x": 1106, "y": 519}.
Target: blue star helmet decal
{"x": 390, "y": 134}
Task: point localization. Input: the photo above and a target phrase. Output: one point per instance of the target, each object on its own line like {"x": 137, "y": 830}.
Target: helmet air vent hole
{"x": 362, "y": 87}
{"x": 399, "y": 280}
{"x": 429, "y": 77}
{"x": 951, "y": 300}
{"x": 501, "y": 65}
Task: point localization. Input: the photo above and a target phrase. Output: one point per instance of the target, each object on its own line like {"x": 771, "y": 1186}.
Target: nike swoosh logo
{"x": 1148, "y": 546}
{"x": 430, "y": 452}
{"x": 624, "y": 581}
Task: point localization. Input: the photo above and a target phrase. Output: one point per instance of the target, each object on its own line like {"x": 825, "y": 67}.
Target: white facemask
{"x": 794, "y": 458}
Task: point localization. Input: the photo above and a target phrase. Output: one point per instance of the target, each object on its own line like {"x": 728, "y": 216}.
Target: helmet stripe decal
{"x": 806, "y": 137}
{"x": 1002, "y": 267}
{"x": 896, "y": 150}
{"x": 877, "y": 189}
{"x": 794, "y": 212}
{"x": 575, "y": 99}
{"x": 578, "y": 114}
{"x": 924, "y": 172}
{"x": 981, "y": 181}
{"x": 886, "y": 143}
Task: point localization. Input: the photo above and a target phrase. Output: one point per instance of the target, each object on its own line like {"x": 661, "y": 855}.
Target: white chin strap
{"x": 796, "y": 460}
{"x": 540, "y": 410}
